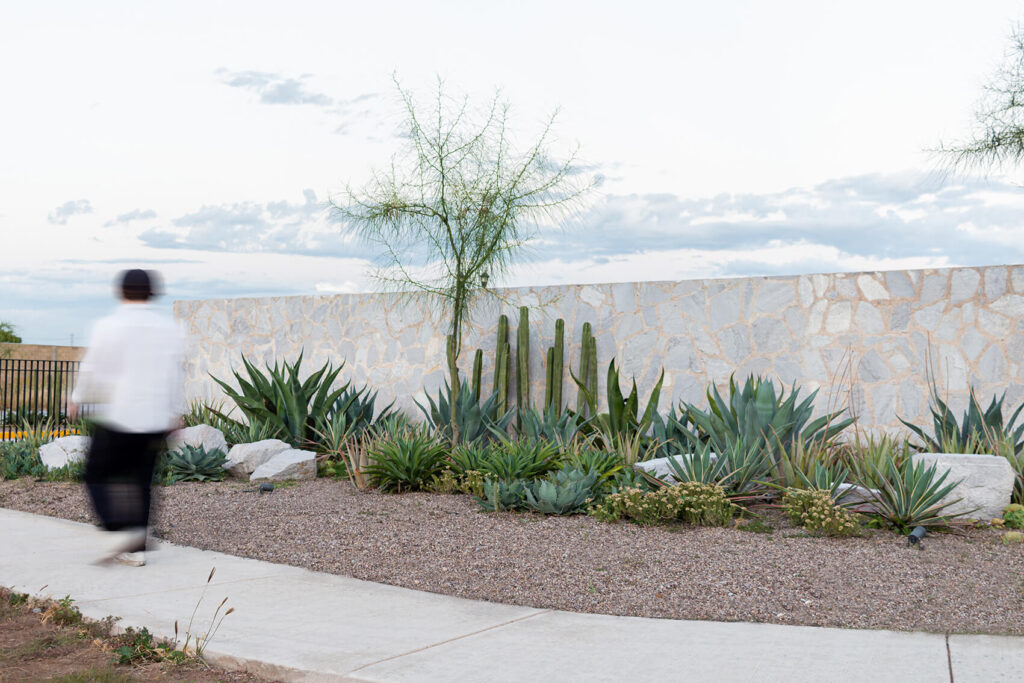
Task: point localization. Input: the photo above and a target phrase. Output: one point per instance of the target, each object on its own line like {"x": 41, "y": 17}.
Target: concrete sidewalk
{"x": 292, "y": 624}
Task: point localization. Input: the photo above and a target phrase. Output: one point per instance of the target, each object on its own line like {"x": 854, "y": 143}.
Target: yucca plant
{"x": 476, "y": 420}
{"x": 800, "y": 461}
{"x": 911, "y": 494}
{"x": 979, "y": 429}
{"x": 37, "y": 433}
{"x": 404, "y": 462}
{"x": 866, "y": 456}
{"x": 760, "y": 417}
{"x": 294, "y": 407}
{"x": 192, "y": 463}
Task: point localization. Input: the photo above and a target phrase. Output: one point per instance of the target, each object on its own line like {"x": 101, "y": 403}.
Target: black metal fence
{"x": 36, "y": 391}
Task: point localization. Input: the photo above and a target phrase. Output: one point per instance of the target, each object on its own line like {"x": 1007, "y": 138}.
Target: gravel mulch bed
{"x": 966, "y": 582}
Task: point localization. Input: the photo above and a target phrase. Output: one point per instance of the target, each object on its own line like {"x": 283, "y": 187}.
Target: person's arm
{"x": 94, "y": 371}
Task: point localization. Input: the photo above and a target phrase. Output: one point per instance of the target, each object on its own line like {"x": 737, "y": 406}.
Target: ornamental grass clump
{"x": 816, "y": 510}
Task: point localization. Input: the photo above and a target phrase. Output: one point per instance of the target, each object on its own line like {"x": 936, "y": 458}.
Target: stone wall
{"x": 866, "y": 340}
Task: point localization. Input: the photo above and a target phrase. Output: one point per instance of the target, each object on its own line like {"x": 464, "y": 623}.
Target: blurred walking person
{"x": 132, "y": 381}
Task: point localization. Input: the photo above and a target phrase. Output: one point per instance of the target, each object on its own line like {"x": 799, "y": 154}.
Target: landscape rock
{"x": 659, "y": 467}
{"x": 63, "y": 451}
{"x": 290, "y": 464}
{"x": 986, "y": 482}
{"x": 244, "y": 458}
{"x": 201, "y": 435}
{"x": 857, "y": 496}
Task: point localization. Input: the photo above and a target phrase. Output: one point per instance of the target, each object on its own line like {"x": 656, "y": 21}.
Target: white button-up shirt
{"x": 132, "y": 376}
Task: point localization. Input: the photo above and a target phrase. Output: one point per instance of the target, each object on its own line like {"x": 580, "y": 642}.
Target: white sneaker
{"x": 137, "y": 559}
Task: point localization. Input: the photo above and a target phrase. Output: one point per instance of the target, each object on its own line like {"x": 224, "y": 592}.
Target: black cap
{"x": 138, "y": 285}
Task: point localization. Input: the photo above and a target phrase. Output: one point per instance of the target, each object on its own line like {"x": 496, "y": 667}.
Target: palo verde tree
{"x": 998, "y": 140}
{"x": 456, "y": 207}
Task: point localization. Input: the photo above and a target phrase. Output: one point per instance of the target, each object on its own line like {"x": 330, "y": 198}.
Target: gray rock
{"x": 201, "y": 435}
{"x": 858, "y": 497}
{"x": 290, "y": 464}
{"x": 986, "y": 482}
{"x": 899, "y": 284}
{"x": 774, "y": 295}
{"x": 244, "y": 458}
{"x": 63, "y": 451}
{"x": 964, "y": 284}
{"x": 659, "y": 467}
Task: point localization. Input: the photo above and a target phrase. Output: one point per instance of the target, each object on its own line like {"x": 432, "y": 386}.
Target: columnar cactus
{"x": 523, "y": 359}
{"x": 502, "y": 364}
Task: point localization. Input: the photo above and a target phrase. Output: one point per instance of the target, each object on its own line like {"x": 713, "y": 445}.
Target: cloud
{"x": 135, "y": 215}
{"x": 894, "y": 218}
{"x": 274, "y": 88}
{"x": 276, "y": 227}
{"x": 62, "y": 213}
{"x": 859, "y": 223}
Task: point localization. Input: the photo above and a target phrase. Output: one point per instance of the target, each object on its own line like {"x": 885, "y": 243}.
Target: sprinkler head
{"x": 915, "y": 536}
{"x": 266, "y": 488}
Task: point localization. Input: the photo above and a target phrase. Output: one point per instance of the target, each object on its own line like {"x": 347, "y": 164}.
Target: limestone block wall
{"x": 866, "y": 340}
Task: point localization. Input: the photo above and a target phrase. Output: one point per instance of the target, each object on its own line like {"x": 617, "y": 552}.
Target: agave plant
{"x": 356, "y": 408}
{"x": 673, "y": 432}
{"x": 509, "y": 460}
{"x": 759, "y": 417}
{"x": 978, "y": 431}
{"x": 623, "y": 419}
{"x": 476, "y": 421}
{"x": 502, "y": 495}
{"x": 293, "y": 407}
{"x": 567, "y": 492}
{"x": 912, "y": 494}
{"x": 404, "y": 462}
{"x": 20, "y": 459}
{"x": 590, "y": 460}
{"x": 702, "y": 466}
{"x": 192, "y": 463}
{"x": 550, "y": 425}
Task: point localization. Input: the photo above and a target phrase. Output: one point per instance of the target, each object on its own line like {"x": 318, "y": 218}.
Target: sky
{"x": 734, "y": 138}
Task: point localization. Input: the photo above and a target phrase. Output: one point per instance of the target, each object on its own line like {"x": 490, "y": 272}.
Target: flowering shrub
{"x": 691, "y": 502}
{"x": 816, "y": 511}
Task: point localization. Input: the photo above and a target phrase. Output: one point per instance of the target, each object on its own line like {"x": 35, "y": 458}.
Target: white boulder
{"x": 201, "y": 435}
{"x": 63, "y": 451}
{"x": 986, "y": 482}
{"x": 290, "y": 464}
{"x": 659, "y": 467}
{"x": 244, "y": 458}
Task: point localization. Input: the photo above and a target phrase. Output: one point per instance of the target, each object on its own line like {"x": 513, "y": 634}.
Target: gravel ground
{"x": 966, "y": 582}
